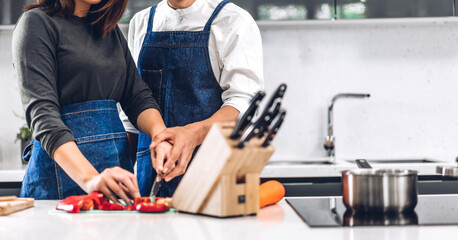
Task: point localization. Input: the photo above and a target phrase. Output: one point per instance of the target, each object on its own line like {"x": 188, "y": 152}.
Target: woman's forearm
{"x": 150, "y": 122}
{"x": 73, "y": 162}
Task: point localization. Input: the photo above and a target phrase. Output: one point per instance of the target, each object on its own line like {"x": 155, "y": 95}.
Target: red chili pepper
{"x": 152, "y": 207}
{"x": 107, "y": 206}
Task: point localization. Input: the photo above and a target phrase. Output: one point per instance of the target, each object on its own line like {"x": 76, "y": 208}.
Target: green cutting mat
{"x": 101, "y": 212}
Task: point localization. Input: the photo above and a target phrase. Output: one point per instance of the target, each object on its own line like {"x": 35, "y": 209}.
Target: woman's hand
{"x": 112, "y": 182}
{"x": 185, "y": 140}
{"x": 159, "y": 155}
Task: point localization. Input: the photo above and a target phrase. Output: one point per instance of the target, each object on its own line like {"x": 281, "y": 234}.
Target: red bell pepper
{"x": 98, "y": 198}
{"x": 72, "y": 204}
{"x": 152, "y": 207}
{"x": 139, "y": 200}
{"x": 107, "y": 206}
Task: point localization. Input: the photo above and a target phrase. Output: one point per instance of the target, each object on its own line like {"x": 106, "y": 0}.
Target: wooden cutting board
{"x": 11, "y": 204}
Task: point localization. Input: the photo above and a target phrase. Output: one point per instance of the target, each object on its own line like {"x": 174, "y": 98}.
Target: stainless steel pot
{"x": 373, "y": 219}
{"x": 379, "y": 190}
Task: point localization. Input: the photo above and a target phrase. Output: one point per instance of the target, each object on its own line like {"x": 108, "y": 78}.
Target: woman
{"x": 73, "y": 65}
{"x": 202, "y": 60}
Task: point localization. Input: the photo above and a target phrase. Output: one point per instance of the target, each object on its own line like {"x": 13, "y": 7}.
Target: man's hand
{"x": 185, "y": 140}
{"x": 159, "y": 154}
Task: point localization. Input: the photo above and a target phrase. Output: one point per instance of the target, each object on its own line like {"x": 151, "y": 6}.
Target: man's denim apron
{"x": 101, "y": 138}
{"x": 176, "y": 66}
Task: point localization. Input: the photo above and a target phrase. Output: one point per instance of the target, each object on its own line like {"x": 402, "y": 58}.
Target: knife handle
{"x": 244, "y": 119}
{"x": 276, "y": 124}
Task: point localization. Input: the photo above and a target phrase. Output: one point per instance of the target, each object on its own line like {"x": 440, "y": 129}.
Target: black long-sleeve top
{"x": 60, "y": 61}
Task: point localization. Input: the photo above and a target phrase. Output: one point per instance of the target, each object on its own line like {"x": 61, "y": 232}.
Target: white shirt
{"x": 235, "y": 46}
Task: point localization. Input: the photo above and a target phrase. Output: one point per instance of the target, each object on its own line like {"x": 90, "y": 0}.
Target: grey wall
{"x": 409, "y": 67}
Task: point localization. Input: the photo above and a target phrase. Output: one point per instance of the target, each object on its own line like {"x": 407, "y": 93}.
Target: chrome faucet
{"x": 330, "y": 139}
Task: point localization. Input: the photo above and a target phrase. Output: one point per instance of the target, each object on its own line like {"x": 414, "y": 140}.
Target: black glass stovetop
{"x": 331, "y": 212}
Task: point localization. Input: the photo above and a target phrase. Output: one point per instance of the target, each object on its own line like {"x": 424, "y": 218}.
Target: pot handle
{"x": 362, "y": 163}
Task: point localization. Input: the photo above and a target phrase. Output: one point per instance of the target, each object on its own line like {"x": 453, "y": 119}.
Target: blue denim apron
{"x": 176, "y": 66}
{"x": 101, "y": 138}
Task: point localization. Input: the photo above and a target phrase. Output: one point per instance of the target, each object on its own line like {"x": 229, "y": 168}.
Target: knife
{"x": 252, "y": 130}
{"x": 244, "y": 119}
{"x": 271, "y": 109}
{"x": 259, "y": 126}
{"x": 273, "y": 130}
{"x": 155, "y": 189}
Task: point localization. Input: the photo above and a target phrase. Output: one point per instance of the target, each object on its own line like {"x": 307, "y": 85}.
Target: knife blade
{"x": 155, "y": 188}
{"x": 244, "y": 119}
{"x": 273, "y": 129}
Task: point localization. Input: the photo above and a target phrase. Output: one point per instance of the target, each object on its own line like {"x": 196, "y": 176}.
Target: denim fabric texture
{"x": 101, "y": 138}
{"x": 176, "y": 66}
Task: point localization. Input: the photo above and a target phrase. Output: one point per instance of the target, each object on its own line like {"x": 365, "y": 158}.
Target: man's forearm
{"x": 225, "y": 114}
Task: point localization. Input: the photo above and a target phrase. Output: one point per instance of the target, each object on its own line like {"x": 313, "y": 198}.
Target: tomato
{"x": 152, "y": 207}
{"x": 107, "y": 206}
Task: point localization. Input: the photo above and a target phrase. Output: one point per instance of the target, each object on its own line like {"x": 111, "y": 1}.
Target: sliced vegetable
{"x": 88, "y": 204}
{"x": 139, "y": 200}
{"x": 130, "y": 208}
{"x": 98, "y": 199}
{"x": 166, "y": 201}
{"x": 152, "y": 207}
{"x": 72, "y": 204}
{"x": 270, "y": 193}
{"x": 107, "y": 206}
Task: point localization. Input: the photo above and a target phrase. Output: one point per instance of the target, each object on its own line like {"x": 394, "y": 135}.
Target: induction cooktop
{"x": 331, "y": 212}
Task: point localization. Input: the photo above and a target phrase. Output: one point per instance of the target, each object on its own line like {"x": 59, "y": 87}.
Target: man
{"x": 202, "y": 60}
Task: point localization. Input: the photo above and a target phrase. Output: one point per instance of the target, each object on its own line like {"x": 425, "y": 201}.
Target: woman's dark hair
{"x": 104, "y": 16}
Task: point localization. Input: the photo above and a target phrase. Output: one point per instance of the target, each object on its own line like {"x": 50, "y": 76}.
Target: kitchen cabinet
{"x": 293, "y": 9}
{"x": 349, "y": 9}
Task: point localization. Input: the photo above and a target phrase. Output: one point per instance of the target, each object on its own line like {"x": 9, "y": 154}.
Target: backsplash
{"x": 407, "y": 65}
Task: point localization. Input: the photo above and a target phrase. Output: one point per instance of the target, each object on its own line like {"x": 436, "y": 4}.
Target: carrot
{"x": 270, "y": 192}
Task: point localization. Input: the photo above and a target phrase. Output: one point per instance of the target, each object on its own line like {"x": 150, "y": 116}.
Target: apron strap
{"x": 151, "y": 19}
{"x": 215, "y": 14}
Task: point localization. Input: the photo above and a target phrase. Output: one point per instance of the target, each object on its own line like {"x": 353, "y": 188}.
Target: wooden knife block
{"x": 223, "y": 180}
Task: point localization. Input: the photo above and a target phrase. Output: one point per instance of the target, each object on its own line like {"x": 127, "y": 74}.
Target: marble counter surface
{"x": 273, "y": 222}
{"x": 12, "y": 172}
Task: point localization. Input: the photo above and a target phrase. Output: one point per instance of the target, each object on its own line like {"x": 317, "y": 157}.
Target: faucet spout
{"x": 329, "y": 144}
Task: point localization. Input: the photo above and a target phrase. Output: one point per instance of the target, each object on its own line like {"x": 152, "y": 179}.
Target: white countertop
{"x": 273, "y": 222}
{"x": 12, "y": 172}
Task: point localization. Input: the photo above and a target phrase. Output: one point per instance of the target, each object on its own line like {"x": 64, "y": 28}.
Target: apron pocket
{"x": 153, "y": 79}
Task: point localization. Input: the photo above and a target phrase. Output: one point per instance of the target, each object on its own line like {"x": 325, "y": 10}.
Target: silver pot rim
{"x": 379, "y": 172}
